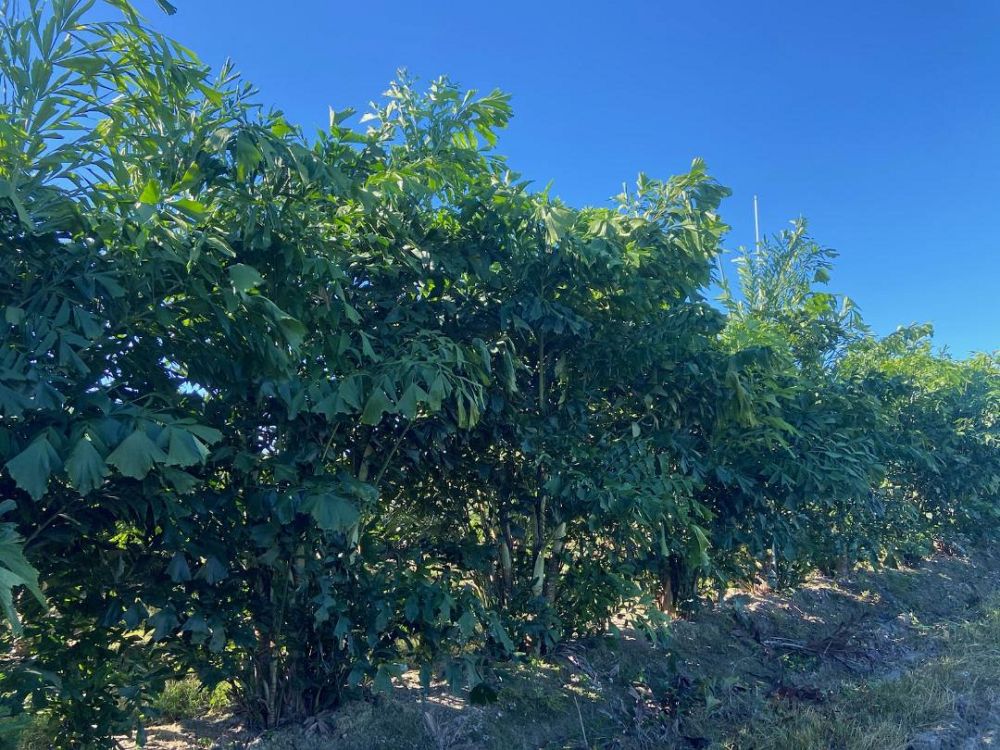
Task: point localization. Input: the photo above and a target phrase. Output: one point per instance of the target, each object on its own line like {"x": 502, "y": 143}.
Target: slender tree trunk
{"x": 538, "y": 550}
{"x": 665, "y": 592}
{"x": 506, "y": 557}
{"x": 554, "y": 562}
{"x": 772, "y": 565}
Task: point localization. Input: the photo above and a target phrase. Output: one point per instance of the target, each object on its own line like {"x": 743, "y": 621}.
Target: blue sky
{"x": 880, "y": 122}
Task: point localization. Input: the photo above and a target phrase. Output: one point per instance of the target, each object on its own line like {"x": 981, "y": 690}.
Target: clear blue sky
{"x": 879, "y": 121}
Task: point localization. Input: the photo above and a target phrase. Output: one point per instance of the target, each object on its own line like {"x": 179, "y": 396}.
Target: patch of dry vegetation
{"x": 951, "y": 700}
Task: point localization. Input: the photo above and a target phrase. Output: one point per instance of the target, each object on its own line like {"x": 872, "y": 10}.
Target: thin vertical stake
{"x": 756, "y": 225}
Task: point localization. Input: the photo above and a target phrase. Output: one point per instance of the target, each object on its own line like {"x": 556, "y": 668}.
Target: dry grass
{"x": 951, "y": 700}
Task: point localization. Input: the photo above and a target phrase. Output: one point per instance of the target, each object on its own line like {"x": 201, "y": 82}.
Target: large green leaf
{"x": 8, "y": 582}
{"x": 150, "y": 195}
{"x": 85, "y": 467}
{"x": 12, "y": 558}
{"x": 411, "y": 399}
{"x": 294, "y": 330}
{"x": 212, "y": 571}
{"x": 349, "y": 394}
{"x": 136, "y": 455}
{"x": 15, "y": 570}
{"x": 31, "y": 468}
{"x": 178, "y": 568}
{"x": 377, "y": 404}
{"x": 184, "y": 448}
{"x": 244, "y": 278}
{"x": 333, "y": 512}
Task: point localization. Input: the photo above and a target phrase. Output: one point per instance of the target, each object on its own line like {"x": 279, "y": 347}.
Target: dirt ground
{"x": 905, "y": 658}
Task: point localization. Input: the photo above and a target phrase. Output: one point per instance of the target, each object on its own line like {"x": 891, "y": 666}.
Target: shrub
{"x": 298, "y": 414}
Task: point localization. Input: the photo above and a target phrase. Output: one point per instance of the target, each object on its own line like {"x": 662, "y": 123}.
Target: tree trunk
{"x": 554, "y": 562}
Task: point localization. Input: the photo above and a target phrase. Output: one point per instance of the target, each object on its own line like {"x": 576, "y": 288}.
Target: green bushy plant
{"x": 296, "y": 414}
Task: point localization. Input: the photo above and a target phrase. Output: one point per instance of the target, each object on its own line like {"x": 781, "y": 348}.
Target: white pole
{"x": 756, "y": 225}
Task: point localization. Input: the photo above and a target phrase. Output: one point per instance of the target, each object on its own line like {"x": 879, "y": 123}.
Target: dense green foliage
{"x": 299, "y": 413}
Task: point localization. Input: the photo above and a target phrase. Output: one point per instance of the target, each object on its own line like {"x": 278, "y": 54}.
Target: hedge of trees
{"x": 299, "y": 413}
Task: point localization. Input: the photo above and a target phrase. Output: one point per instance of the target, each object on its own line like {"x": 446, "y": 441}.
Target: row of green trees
{"x": 300, "y": 413}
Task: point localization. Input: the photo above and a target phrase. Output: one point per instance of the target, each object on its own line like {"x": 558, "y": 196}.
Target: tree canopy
{"x": 301, "y": 412}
